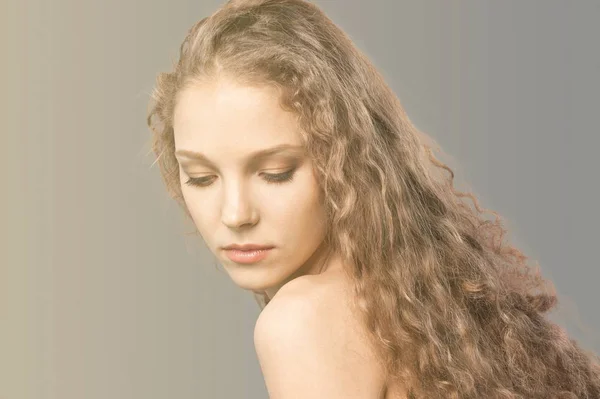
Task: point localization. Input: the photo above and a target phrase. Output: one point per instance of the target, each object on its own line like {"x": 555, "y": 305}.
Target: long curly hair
{"x": 453, "y": 311}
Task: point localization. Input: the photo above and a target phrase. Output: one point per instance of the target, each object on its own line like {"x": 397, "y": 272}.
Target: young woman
{"x": 305, "y": 177}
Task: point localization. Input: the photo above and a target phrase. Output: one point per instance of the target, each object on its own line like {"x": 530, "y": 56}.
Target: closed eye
{"x": 274, "y": 178}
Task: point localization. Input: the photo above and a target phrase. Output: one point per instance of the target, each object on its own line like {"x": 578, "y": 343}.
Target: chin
{"x": 253, "y": 279}
{"x": 256, "y": 286}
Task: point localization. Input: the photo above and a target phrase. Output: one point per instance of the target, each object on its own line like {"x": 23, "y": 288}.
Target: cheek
{"x": 296, "y": 209}
{"x": 201, "y": 211}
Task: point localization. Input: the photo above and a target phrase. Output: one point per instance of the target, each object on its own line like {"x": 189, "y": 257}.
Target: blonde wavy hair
{"x": 453, "y": 311}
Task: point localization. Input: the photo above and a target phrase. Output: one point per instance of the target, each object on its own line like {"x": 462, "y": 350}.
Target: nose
{"x": 237, "y": 210}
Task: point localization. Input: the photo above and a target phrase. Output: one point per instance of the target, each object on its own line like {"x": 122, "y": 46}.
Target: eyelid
{"x": 278, "y": 172}
{"x": 291, "y": 164}
{"x": 254, "y": 164}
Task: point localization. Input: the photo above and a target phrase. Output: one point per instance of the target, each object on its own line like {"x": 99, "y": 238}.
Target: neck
{"x": 326, "y": 263}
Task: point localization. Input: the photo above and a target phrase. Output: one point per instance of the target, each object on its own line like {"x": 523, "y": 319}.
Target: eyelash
{"x": 278, "y": 178}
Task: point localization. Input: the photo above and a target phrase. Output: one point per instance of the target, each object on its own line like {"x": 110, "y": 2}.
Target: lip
{"x": 247, "y": 257}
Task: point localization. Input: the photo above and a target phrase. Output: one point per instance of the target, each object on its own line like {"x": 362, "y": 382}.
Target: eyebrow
{"x": 254, "y": 156}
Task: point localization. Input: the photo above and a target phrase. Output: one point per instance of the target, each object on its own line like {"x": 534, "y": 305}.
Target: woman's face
{"x": 238, "y": 197}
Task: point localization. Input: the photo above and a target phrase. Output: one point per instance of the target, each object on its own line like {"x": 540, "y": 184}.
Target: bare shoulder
{"x": 310, "y": 344}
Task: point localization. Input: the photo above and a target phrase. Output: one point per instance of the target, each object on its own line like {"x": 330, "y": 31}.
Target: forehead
{"x": 224, "y": 114}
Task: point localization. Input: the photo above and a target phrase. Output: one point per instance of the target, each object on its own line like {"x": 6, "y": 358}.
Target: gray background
{"x": 102, "y": 293}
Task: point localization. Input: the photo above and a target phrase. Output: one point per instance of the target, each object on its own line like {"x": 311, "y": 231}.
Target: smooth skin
{"x": 308, "y": 342}
{"x": 310, "y": 345}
